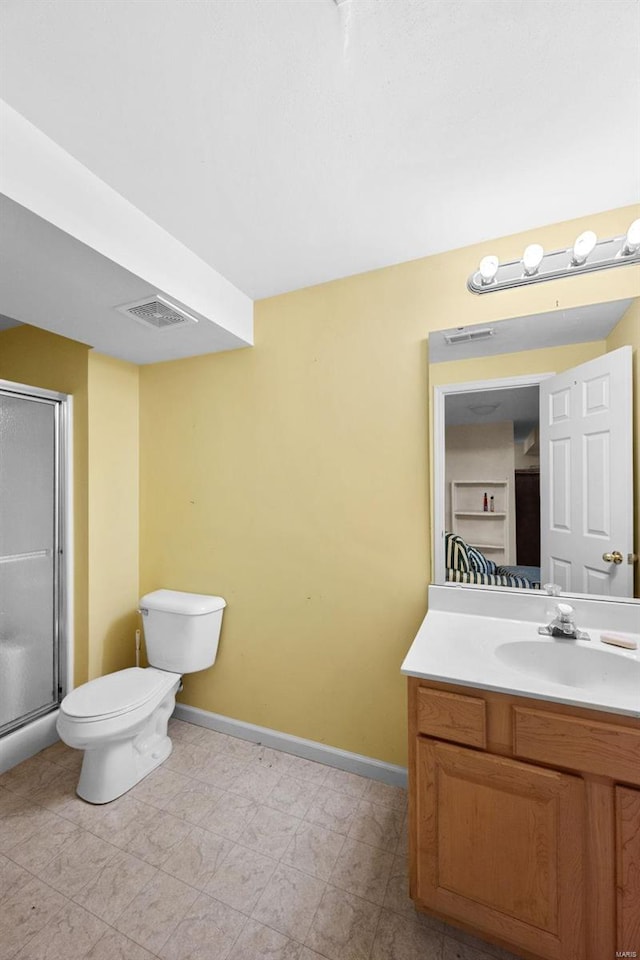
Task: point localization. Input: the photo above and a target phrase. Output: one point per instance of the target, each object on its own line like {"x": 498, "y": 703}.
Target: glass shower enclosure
{"x": 32, "y": 507}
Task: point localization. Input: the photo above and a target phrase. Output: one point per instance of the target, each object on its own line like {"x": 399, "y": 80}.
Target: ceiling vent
{"x": 466, "y": 336}
{"x": 157, "y": 312}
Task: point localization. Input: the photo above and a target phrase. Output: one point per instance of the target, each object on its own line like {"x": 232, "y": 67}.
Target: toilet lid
{"x": 117, "y": 693}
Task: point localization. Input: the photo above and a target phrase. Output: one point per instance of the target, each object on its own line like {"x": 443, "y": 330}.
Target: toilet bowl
{"x": 120, "y": 720}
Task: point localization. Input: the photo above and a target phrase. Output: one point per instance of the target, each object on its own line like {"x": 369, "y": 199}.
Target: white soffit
{"x": 534, "y": 332}
{"x": 291, "y": 142}
{"x": 55, "y": 212}
{"x": 51, "y": 280}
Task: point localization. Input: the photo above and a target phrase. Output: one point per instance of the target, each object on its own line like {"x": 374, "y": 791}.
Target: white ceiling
{"x": 289, "y": 142}
{"x": 518, "y": 404}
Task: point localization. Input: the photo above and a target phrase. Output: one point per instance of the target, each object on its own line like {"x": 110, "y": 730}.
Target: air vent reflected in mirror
{"x": 465, "y": 336}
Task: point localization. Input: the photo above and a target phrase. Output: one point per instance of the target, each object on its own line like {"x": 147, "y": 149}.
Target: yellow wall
{"x": 545, "y": 360}
{"x": 113, "y": 513}
{"x": 105, "y": 493}
{"x": 293, "y": 480}
{"x": 268, "y": 476}
{"x": 41, "y": 359}
{"x": 627, "y": 331}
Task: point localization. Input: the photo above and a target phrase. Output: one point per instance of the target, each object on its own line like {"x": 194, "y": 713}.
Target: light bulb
{"x": 532, "y": 258}
{"x": 488, "y": 268}
{"x": 632, "y": 240}
{"x": 583, "y": 246}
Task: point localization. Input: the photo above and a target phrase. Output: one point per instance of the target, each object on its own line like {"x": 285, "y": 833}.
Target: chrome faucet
{"x": 563, "y": 625}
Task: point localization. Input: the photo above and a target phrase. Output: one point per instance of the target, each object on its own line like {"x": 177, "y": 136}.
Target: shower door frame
{"x": 62, "y": 548}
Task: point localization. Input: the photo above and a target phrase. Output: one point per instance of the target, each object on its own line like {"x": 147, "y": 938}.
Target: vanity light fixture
{"x": 584, "y": 245}
{"x": 586, "y": 255}
{"x": 532, "y": 258}
{"x": 488, "y": 269}
{"x": 631, "y": 243}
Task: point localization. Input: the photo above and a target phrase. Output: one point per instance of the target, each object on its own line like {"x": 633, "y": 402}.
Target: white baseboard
{"x": 308, "y": 749}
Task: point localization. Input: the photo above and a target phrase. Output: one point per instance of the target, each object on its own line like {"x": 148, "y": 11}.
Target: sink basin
{"x": 572, "y": 666}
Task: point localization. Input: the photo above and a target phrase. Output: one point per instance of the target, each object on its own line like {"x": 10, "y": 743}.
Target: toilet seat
{"x": 117, "y": 693}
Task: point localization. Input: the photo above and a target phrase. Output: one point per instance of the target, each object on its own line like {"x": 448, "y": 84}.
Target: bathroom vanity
{"x": 524, "y": 792}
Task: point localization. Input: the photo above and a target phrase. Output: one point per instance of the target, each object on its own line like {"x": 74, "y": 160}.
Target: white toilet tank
{"x": 181, "y": 630}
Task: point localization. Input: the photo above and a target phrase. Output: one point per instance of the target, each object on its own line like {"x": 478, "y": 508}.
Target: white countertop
{"x": 466, "y": 648}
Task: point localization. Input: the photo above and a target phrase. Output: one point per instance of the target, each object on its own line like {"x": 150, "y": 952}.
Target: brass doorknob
{"x": 615, "y": 557}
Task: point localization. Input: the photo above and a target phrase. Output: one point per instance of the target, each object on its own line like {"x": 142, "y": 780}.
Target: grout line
{"x": 375, "y": 932}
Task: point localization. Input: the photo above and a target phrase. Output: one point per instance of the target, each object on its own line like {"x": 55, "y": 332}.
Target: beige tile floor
{"x": 229, "y": 851}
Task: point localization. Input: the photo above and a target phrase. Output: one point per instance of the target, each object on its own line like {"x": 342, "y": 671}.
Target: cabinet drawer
{"x": 452, "y": 716}
{"x": 605, "y": 749}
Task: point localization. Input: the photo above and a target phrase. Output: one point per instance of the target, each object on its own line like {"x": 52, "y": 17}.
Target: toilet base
{"x": 110, "y": 771}
{"x": 113, "y": 767}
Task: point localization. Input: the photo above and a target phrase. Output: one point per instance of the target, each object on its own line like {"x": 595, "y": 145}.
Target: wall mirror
{"x": 533, "y": 439}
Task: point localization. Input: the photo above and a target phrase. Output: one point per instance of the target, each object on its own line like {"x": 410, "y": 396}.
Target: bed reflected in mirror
{"x": 533, "y": 443}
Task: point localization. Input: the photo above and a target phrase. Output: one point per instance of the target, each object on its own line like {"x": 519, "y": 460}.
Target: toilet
{"x": 120, "y": 720}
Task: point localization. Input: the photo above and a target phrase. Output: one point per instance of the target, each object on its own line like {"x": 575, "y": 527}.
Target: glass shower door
{"x": 29, "y": 561}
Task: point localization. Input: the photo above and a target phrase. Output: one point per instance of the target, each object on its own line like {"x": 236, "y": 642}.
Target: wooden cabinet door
{"x": 500, "y": 847}
{"x": 628, "y": 870}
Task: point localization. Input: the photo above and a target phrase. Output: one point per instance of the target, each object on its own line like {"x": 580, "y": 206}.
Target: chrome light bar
{"x": 587, "y": 255}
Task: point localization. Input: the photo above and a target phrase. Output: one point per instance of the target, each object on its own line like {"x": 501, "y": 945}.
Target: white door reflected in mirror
{"x": 585, "y": 470}
{"x": 586, "y": 501}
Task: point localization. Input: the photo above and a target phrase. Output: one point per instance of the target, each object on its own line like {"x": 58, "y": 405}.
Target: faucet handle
{"x": 551, "y": 589}
{"x": 563, "y": 624}
{"x": 565, "y": 612}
